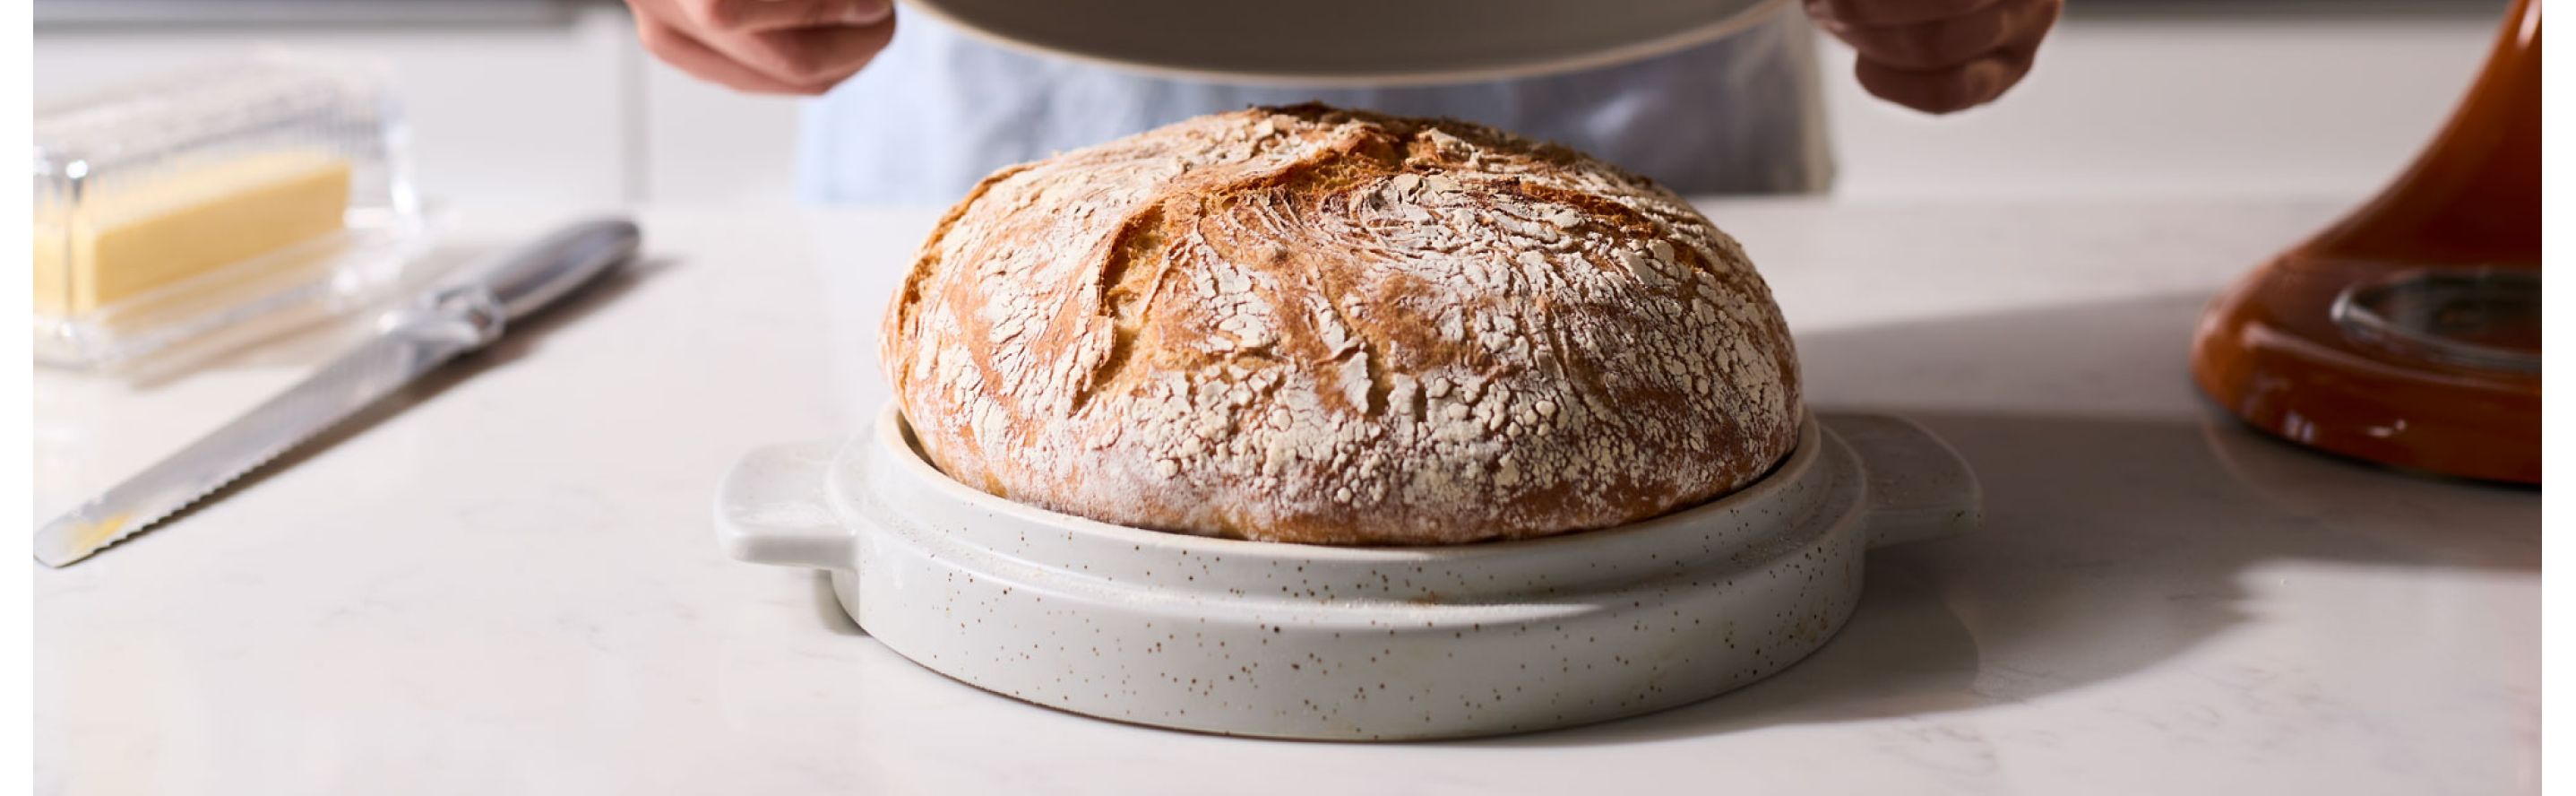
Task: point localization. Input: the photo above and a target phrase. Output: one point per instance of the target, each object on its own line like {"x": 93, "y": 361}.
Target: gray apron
{"x": 940, "y": 109}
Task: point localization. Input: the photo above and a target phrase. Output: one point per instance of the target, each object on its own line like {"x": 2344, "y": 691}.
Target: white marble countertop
{"x": 509, "y": 584}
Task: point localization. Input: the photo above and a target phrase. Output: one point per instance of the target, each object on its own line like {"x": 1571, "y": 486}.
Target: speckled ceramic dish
{"x": 1297, "y": 641}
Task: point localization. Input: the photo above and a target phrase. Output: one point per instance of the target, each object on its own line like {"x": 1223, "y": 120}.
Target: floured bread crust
{"x": 1305, "y": 324}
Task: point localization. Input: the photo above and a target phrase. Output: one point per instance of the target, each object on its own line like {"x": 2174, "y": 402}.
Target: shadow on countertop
{"x": 2112, "y": 542}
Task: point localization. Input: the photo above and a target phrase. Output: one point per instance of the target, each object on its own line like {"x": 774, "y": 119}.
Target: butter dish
{"x": 213, "y": 204}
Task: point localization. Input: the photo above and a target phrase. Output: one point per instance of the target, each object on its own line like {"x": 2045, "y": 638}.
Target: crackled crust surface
{"x": 1304, "y": 324}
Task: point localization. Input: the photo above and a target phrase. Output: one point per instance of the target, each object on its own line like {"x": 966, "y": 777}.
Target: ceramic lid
{"x": 1348, "y": 42}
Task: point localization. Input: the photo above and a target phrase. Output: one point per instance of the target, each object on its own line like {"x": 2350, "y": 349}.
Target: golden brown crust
{"x": 1312, "y": 325}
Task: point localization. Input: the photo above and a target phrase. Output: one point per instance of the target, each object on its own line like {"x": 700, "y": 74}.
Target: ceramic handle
{"x": 772, "y": 509}
{"x": 1918, "y": 487}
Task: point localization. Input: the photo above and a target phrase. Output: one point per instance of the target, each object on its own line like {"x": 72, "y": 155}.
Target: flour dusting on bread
{"x": 1312, "y": 325}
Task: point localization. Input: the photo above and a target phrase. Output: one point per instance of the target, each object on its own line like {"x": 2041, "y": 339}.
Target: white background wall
{"x": 518, "y": 114}
{"x": 2207, "y": 103}
{"x": 565, "y": 109}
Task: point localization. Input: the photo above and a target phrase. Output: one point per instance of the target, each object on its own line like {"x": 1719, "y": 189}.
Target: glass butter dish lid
{"x": 222, "y": 203}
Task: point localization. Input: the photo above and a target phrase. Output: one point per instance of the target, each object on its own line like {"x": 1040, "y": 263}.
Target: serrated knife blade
{"x": 457, "y": 317}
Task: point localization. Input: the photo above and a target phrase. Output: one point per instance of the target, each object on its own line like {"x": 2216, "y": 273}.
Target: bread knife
{"x": 458, "y": 315}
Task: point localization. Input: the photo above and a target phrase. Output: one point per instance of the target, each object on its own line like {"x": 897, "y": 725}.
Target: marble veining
{"x": 507, "y": 586}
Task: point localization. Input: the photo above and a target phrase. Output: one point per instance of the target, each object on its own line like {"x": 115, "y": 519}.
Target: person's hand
{"x": 766, "y": 46}
{"x": 1938, "y": 56}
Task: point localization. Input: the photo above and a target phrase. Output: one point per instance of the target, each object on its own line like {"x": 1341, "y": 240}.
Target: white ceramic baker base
{"x": 1300, "y": 641}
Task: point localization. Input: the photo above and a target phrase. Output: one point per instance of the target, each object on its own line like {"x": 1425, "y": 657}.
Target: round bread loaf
{"x": 1305, "y": 324}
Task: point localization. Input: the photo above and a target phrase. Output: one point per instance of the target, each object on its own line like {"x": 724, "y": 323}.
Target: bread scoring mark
{"x": 1125, "y": 294}
{"x": 899, "y": 318}
{"x": 1303, "y": 324}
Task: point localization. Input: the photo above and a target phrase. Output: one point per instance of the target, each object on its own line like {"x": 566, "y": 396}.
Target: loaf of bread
{"x": 1305, "y": 324}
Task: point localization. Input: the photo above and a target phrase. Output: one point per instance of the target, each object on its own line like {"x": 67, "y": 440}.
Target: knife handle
{"x": 532, "y": 276}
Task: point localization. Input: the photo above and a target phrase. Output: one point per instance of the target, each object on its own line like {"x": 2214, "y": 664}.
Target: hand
{"x": 1938, "y": 56}
{"x": 766, "y": 46}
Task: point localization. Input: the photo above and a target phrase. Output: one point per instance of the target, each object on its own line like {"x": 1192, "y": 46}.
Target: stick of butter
{"x": 121, "y": 241}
